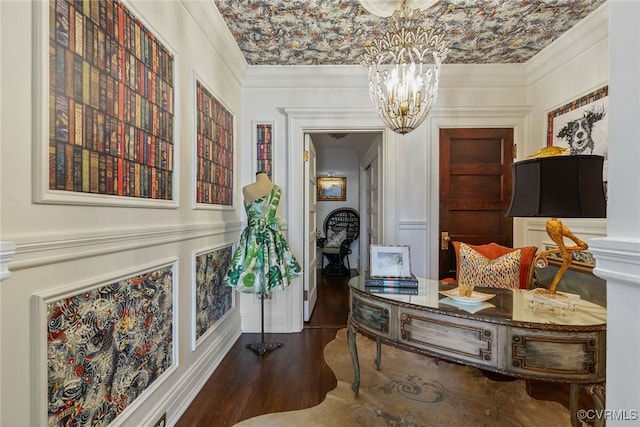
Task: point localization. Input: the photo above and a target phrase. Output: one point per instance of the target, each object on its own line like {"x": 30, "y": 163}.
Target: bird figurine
{"x": 554, "y": 150}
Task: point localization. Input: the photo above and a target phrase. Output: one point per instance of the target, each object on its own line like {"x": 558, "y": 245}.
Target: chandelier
{"x": 404, "y": 69}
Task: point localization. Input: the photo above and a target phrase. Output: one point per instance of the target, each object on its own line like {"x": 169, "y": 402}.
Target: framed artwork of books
{"x": 212, "y": 300}
{"x": 106, "y": 107}
{"x": 78, "y": 330}
{"x": 214, "y": 153}
{"x": 332, "y": 188}
{"x": 263, "y": 137}
{"x": 389, "y": 261}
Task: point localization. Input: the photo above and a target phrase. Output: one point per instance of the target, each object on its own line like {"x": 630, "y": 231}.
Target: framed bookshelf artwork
{"x": 212, "y": 299}
{"x": 263, "y": 136}
{"x": 214, "y": 157}
{"x": 107, "y": 122}
{"x": 82, "y": 332}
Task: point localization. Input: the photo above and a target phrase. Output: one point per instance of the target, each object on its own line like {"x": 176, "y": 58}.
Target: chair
{"x": 341, "y": 228}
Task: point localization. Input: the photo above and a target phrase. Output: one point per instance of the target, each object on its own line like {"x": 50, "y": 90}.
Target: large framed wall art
{"x": 582, "y": 125}
{"x": 214, "y": 156}
{"x": 263, "y": 133}
{"x": 107, "y": 123}
{"x": 100, "y": 348}
{"x": 212, "y": 300}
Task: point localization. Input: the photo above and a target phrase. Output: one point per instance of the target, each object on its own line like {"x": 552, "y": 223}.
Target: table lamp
{"x": 558, "y": 187}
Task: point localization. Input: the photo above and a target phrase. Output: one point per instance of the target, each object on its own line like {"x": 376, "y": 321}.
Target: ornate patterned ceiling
{"x": 332, "y": 32}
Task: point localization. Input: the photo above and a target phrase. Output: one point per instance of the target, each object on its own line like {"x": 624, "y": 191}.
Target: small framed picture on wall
{"x": 333, "y": 188}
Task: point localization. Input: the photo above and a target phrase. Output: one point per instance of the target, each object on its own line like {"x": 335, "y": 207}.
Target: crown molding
{"x": 207, "y": 18}
{"x": 305, "y": 76}
{"x": 584, "y": 35}
{"x": 356, "y": 76}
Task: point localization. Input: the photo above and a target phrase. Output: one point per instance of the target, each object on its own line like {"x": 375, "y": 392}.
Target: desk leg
{"x": 351, "y": 340}
{"x": 574, "y": 395}
{"x": 378, "y": 354}
{"x": 597, "y": 392}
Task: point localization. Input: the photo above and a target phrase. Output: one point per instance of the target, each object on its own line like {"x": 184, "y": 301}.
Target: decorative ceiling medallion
{"x": 385, "y": 8}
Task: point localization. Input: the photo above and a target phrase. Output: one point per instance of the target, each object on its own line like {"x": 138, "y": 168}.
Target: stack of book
{"x": 391, "y": 285}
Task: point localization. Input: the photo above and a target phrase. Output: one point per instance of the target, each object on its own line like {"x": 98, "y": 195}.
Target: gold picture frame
{"x": 332, "y": 188}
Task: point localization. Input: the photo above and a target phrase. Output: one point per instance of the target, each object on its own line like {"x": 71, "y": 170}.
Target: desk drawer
{"x": 563, "y": 355}
{"x": 371, "y": 315}
{"x": 448, "y": 336}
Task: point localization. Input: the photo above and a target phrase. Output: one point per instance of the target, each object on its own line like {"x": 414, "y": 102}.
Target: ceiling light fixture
{"x": 404, "y": 69}
{"x": 337, "y": 135}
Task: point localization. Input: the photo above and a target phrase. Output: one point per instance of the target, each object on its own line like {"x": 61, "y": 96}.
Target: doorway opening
{"x": 344, "y": 161}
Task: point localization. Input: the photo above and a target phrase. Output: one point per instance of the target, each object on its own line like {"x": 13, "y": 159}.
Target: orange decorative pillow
{"x": 493, "y": 251}
{"x": 476, "y": 269}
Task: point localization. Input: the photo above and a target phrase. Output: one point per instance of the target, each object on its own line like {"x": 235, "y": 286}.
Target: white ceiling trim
{"x": 208, "y": 19}
{"x": 585, "y": 34}
{"x": 355, "y": 76}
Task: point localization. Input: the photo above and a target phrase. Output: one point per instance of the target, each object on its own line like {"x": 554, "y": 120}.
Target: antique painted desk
{"x": 509, "y": 333}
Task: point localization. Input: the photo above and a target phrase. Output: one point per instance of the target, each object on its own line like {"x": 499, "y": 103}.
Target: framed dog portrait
{"x": 333, "y": 188}
{"x": 390, "y": 261}
{"x": 582, "y": 126}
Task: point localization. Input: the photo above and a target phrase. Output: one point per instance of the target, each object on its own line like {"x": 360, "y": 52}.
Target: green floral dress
{"x": 262, "y": 260}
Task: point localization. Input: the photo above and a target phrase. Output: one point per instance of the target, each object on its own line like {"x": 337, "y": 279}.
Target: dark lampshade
{"x": 560, "y": 187}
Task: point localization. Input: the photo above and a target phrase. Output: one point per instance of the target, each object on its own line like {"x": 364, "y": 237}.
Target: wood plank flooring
{"x": 294, "y": 376}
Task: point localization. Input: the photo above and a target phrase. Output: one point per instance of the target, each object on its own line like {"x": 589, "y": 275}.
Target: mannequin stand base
{"x": 260, "y": 348}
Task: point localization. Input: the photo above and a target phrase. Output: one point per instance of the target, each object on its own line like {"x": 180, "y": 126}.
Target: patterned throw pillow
{"x": 477, "y": 270}
{"x": 335, "y": 238}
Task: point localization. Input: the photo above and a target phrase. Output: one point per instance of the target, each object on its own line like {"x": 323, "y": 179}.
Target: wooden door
{"x": 475, "y": 190}
{"x": 310, "y": 229}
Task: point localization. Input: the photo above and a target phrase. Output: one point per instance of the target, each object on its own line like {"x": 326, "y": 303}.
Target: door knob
{"x": 444, "y": 241}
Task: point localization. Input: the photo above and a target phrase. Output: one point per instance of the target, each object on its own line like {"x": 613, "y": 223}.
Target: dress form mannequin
{"x": 262, "y": 260}
{"x": 260, "y": 188}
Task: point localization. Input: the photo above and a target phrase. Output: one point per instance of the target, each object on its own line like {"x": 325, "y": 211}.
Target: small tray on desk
{"x": 475, "y": 298}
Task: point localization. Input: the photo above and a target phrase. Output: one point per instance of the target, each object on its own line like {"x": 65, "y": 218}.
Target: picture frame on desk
{"x": 105, "y": 108}
{"x": 390, "y": 261}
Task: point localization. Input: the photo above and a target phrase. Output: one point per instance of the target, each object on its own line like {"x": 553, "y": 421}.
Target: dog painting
{"x": 582, "y": 126}
{"x": 579, "y": 132}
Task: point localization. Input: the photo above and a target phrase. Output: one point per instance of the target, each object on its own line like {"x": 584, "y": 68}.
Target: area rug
{"x": 415, "y": 390}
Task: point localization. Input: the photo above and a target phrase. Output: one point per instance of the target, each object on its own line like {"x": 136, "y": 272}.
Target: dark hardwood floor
{"x": 294, "y": 376}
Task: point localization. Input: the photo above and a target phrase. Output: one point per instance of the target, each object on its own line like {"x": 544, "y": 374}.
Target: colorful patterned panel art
{"x": 111, "y": 103}
{"x": 213, "y": 299}
{"x": 106, "y": 346}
